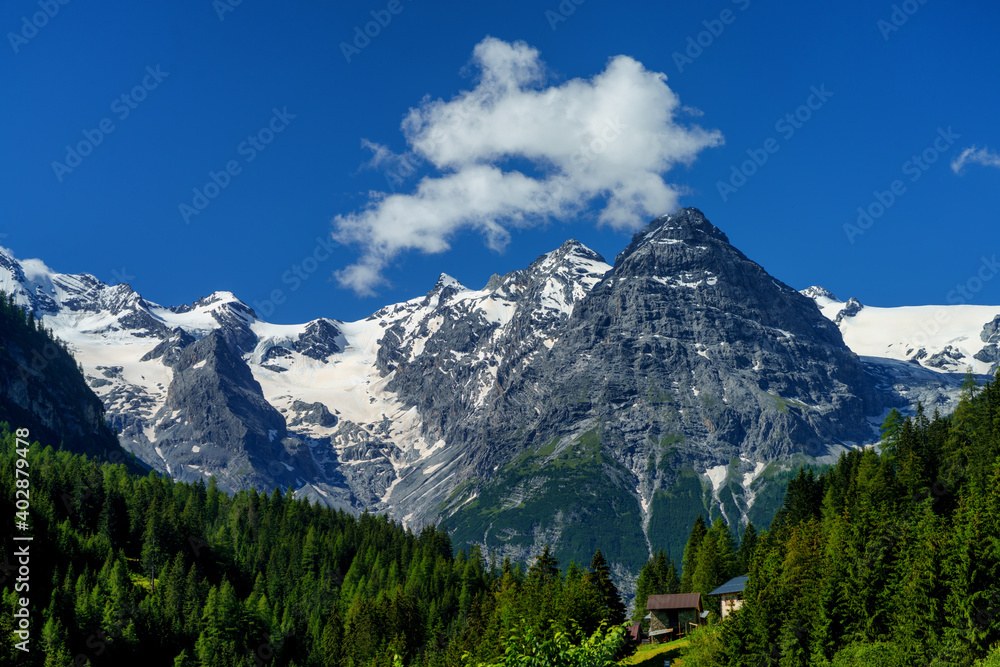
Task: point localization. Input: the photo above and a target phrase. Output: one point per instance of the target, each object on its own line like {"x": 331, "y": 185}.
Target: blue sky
{"x": 299, "y": 130}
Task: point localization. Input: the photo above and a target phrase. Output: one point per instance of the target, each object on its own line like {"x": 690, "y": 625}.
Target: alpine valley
{"x": 573, "y": 402}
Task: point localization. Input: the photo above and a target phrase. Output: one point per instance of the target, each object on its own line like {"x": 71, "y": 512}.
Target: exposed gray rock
{"x": 216, "y": 420}
{"x": 685, "y": 341}
{"x": 319, "y": 341}
{"x": 815, "y": 292}
{"x": 312, "y": 413}
{"x": 169, "y": 350}
{"x": 945, "y": 357}
{"x": 366, "y": 461}
{"x": 991, "y": 331}
{"x": 850, "y": 309}
{"x": 990, "y": 353}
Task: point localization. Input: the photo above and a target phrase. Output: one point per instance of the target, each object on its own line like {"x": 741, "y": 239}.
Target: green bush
{"x": 557, "y": 648}
{"x": 705, "y": 647}
{"x": 879, "y": 654}
{"x": 991, "y": 660}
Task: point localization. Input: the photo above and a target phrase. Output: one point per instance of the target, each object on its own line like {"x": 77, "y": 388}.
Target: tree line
{"x": 129, "y": 568}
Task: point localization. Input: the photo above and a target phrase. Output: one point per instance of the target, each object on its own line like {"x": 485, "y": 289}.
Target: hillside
{"x": 888, "y": 558}
{"x": 42, "y": 389}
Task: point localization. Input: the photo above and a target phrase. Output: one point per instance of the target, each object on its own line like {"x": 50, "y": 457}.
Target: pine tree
{"x": 645, "y": 586}
{"x": 709, "y": 568}
{"x": 691, "y": 550}
{"x": 55, "y": 644}
{"x": 600, "y": 578}
{"x": 890, "y": 429}
{"x": 748, "y": 543}
{"x": 728, "y": 561}
{"x": 716, "y": 563}
{"x": 920, "y": 595}
{"x": 545, "y": 568}
{"x": 151, "y": 543}
{"x": 184, "y": 659}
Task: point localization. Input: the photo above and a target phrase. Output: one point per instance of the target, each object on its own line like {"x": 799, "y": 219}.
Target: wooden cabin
{"x": 731, "y": 594}
{"x": 673, "y": 616}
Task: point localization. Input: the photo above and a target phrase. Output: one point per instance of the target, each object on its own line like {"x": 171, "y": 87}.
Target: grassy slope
{"x": 573, "y": 483}
{"x": 654, "y": 656}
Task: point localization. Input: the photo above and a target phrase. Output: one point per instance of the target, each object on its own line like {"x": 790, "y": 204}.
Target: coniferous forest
{"x": 128, "y": 570}
{"x": 887, "y": 559}
{"x": 131, "y": 568}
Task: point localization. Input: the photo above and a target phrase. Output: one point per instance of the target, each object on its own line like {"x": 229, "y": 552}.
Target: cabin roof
{"x": 674, "y": 601}
{"x": 734, "y": 585}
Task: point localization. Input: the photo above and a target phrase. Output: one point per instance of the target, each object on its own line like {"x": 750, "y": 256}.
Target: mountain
{"x": 685, "y": 368}
{"x": 921, "y": 353}
{"x": 43, "y": 390}
{"x": 571, "y": 402}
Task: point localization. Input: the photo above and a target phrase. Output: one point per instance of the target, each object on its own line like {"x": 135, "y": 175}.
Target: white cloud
{"x": 604, "y": 142}
{"x": 981, "y": 156}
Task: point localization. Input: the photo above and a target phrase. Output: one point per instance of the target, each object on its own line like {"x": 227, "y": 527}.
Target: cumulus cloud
{"x": 514, "y": 152}
{"x": 982, "y": 156}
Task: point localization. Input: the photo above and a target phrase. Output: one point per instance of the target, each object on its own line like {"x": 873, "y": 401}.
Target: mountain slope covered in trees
{"x": 129, "y": 569}
{"x": 43, "y": 389}
{"x": 888, "y": 558}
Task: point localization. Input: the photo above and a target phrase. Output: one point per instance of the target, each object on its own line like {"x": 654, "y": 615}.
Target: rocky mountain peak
{"x": 687, "y": 226}
{"x": 445, "y": 281}
{"x": 816, "y": 292}
{"x": 214, "y": 302}
{"x": 573, "y": 252}
{"x": 556, "y": 280}
{"x": 444, "y": 288}
{"x": 681, "y": 249}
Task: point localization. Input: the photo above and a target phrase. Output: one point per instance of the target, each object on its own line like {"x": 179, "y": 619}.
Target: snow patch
{"x": 717, "y": 476}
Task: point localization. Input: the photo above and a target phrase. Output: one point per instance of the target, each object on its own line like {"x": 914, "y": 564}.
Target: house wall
{"x": 658, "y": 620}
{"x": 678, "y": 619}
{"x": 662, "y": 619}
{"x": 730, "y": 603}
{"x": 686, "y": 616}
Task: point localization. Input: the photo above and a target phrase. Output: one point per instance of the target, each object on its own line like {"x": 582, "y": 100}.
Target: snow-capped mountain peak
{"x": 820, "y": 295}
{"x": 446, "y": 281}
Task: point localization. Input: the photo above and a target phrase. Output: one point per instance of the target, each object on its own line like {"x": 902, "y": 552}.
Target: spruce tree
{"x": 748, "y": 543}
{"x": 600, "y": 578}
{"x": 690, "y": 563}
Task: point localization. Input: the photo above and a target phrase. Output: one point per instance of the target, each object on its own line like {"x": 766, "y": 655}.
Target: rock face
{"x": 216, "y": 416}
{"x": 990, "y": 353}
{"x": 571, "y": 402}
{"x": 685, "y": 356}
{"x": 852, "y": 308}
{"x": 43, "y": 390}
